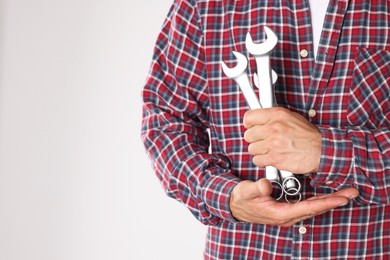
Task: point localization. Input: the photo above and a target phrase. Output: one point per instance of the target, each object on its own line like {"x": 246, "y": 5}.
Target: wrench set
{"x": 286, "y": 185}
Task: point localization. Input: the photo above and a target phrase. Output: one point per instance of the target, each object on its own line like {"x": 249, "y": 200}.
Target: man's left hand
{"x": 283, "y": 139}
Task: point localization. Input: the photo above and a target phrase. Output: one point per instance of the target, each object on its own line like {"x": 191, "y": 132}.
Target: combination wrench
{"x": 284, "y": 182}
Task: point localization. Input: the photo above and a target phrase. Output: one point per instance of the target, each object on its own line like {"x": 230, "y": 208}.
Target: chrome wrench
{"x": 262, "y": 53}
{"x": 265, "y": 76}
{"x": 238, "y": 74}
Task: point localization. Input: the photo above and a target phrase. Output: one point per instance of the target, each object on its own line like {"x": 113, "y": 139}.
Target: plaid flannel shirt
{"x": 344, "y": 92}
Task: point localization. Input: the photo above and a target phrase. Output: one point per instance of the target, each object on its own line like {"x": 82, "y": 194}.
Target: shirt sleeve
{"x": 358, "y": 157}
{"x": 175, "y": 120}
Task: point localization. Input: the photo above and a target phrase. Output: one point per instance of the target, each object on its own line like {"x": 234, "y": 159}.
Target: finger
{"x": 284, "y": 214}
{"x": 311, "y": 207}
{"x": 349, "y": 193}
{"x": 263, "y": 115}
{"x": 249, "y": 190}
{"x": 258, "y": 148}
{"x": 262, "y": 187}
{"x": 262, "y": 160}
{"x": 255, "y": 133}
{"x": 265, "y": 187}
{"x": 291, "y": 213}
{"x": 256, "y": 117}
{"x": 281, "y": 215}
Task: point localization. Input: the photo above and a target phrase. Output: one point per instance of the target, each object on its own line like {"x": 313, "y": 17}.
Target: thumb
{"x": 264, "y": 186}
{"x": 250, "y": 189}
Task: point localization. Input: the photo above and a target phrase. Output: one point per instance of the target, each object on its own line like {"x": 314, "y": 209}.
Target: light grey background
{"x": 75, "y": 183}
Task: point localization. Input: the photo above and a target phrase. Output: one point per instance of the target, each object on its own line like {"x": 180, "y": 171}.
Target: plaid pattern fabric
{"x": 347, "y": 86}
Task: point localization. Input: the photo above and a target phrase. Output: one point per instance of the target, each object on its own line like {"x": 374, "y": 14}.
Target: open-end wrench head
{"x": 261, "y": 48}
{"x": 242, "y": 63}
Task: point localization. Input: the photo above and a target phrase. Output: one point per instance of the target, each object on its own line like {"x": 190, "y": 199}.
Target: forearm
{"x": 179, "y": 152}
{"x": 357, "y": 157}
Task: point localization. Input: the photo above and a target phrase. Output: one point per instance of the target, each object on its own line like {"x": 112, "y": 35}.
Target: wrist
{"x": 217, "y": 195}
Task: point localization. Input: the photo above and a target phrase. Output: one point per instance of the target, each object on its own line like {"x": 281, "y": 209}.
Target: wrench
{"x": 238, "y": 73}
{"x": 285, "y": 182}
{"x": 262, "y": 53}
{"x": 265, "y": 80}
{"x": 290, "y": 186}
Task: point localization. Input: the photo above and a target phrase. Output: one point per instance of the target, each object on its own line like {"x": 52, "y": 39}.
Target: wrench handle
{"x": 246, "y": 88}
{"x": 264, "y": 74}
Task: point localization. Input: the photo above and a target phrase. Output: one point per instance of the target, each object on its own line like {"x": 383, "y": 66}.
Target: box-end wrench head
{"x": 272, "y": 174}
{"x": 291, "y": 184}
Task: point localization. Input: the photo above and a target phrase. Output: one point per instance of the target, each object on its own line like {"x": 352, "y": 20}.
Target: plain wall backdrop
{"x": 75, "y": 182}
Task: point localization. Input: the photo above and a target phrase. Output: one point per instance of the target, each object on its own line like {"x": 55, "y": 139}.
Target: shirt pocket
{"x": 369, "y": 96}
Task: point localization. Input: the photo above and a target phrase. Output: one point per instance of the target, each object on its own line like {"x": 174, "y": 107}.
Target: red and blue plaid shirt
{"x": 344, "y": 92}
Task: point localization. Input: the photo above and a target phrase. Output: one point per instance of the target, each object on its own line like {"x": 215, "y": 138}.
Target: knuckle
{"x": 257, "y": 160}
{"x": 277, "y": 128}
{"x": 282, "y": 112}
{"x": 251, "y": 149}
{"x": 278, "y": 144}
{"x": 248, "y": 136}
{"x": 248, "y": 119}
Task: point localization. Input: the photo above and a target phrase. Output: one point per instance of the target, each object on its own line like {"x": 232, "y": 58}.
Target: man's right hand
{"x": 252, "y": 202}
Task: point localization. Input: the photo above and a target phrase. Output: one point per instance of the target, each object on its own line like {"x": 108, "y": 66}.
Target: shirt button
{"x": 312, "y": 113}
{"x": 304, "y": 53}
{"x": 302, "y": 230}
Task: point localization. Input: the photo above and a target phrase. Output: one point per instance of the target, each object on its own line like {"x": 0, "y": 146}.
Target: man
{"x": 332, "y": 127}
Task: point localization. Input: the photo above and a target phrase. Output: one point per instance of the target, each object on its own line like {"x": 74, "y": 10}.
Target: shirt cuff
{"x": 336, "y": 159}
{"x": 216, "y": 195}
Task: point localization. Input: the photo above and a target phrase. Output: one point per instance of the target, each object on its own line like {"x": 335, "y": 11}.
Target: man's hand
{"x": 283, "y": 139}
{"x": 251, "y": 202}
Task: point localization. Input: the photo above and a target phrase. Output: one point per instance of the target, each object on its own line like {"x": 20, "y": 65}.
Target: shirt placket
{"x": 301, "y": 232}
{"x": 322, "y": 70}
{"x": 320, "y": 75}
{"x": 305, "y": 49}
